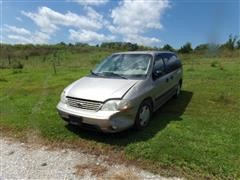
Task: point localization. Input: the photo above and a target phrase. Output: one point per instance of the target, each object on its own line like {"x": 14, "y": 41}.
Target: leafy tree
{"x": 186, "y": 48}
{"x": 79, "y": 44}
{"x": 202, "y": 47}
{"x": 168, "y": 47}
{"x": 131, "y": 47}
{"x": 231, "y": 43}
{"x": 61, "y": 44}
{"x": 238, "y": 44}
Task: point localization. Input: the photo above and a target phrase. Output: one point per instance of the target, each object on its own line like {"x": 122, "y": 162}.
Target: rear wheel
{"x": 143, "y": 115}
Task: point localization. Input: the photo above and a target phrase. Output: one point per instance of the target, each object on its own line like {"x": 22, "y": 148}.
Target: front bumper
{"x": 106, "y": 121}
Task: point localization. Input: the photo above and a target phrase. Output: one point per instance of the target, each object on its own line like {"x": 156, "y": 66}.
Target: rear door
{"x": 173, "y": 68}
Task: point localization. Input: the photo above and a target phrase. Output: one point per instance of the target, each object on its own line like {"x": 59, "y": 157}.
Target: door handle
{"x": 167, "y": 80}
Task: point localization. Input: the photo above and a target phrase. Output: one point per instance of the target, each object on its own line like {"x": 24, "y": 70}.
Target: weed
{"x": 224, "y": 99}
{"x": 16, "y": 71}
{"x": 214, "y": 64}
{"x": 3, "y": 80}
{"x": 221, "y": 67}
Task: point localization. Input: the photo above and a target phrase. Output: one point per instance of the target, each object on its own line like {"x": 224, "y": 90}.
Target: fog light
{"x": 114, "y": 127}
{"x": 114, "y": 124}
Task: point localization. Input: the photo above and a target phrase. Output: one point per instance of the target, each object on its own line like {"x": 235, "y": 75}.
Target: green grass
{"x": 198, "y": 133}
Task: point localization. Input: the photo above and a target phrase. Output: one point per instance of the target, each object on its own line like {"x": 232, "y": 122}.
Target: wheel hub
{"x": 144, "y": 115}
{"x": 178, "y": 90}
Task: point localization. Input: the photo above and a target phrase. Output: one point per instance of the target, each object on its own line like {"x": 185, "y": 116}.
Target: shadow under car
{"x": 171, "y": 111}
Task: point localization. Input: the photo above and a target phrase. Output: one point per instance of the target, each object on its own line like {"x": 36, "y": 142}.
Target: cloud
{"x": 40, "y": 38}
{"x": 89, "y": 36}
{"x": 90, "y": 2}
{"x": 147, "y": 41}
{"x": 49, "y": 20}
{"x": 19, "y": 19}
{"x": 23, "y": 36}
{"x": 35, "y": 38}
{"x": 130, "y": 21}
{"x": 18, "y": 39}
{"x": 17, "y": 30}
{"x": 134, "y": 17}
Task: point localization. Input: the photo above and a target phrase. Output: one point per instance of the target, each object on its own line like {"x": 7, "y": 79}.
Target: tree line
{"x": 25, "y": 51}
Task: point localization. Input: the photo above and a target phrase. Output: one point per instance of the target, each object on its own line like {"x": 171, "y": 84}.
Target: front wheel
{"x": 143, "y": 116}
{"x": 178, "y": 91}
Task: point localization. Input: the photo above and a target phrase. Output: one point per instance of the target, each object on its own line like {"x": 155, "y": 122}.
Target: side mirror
{"x": 157, "y": 73}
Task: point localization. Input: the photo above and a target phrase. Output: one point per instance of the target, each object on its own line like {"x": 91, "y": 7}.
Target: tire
{"x": 178, "y": 91}
{"x": 143, "y": 115}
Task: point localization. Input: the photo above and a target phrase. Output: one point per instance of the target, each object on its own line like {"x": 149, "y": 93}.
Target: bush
{"x": 120, "y": 46}
{"x": 17, "y": 65}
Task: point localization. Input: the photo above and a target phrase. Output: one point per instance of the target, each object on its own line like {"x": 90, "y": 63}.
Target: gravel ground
{"x": 24, "y": 161}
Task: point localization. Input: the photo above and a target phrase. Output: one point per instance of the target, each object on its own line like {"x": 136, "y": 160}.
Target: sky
{"x": 149, "y": 22}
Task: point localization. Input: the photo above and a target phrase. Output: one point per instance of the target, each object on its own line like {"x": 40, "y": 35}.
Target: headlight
{"x": 115, "y": 105}
{"x": 111, "y": 105}
{"x": 63, "y": 98}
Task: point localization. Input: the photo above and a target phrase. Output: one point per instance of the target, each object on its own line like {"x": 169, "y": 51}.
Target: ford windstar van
{"x": 122, "y": 91}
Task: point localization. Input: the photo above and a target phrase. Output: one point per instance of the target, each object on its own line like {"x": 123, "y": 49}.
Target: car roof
{"x": 144, "y": 52}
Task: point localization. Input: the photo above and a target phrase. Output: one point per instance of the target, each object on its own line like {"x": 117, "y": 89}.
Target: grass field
{"x": 196, "y": 135}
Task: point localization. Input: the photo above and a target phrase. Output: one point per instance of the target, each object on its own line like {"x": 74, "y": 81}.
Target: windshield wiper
{"x": 93, "y": 73}
{"x": 114, "y": 74}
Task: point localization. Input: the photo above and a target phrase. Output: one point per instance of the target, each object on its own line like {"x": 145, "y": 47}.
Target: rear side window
{"x": 158, "y": 63}
{"x": 172, "y": 62}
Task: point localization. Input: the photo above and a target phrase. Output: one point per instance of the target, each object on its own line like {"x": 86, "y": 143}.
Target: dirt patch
{"x": 124, "y": 175}
{"x": 94, "y": 169}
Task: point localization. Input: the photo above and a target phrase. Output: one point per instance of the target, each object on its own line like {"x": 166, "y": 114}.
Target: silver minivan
{"x": 122, "y": 91}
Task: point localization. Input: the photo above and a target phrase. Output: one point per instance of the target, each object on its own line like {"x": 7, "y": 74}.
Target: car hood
{"x": 99, "y": 89}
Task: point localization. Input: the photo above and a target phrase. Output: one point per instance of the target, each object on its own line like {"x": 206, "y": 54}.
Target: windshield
{"x": 124, "y": 65}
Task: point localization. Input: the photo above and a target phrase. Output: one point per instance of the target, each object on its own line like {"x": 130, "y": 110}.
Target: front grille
{"x": 84, "y": 104}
